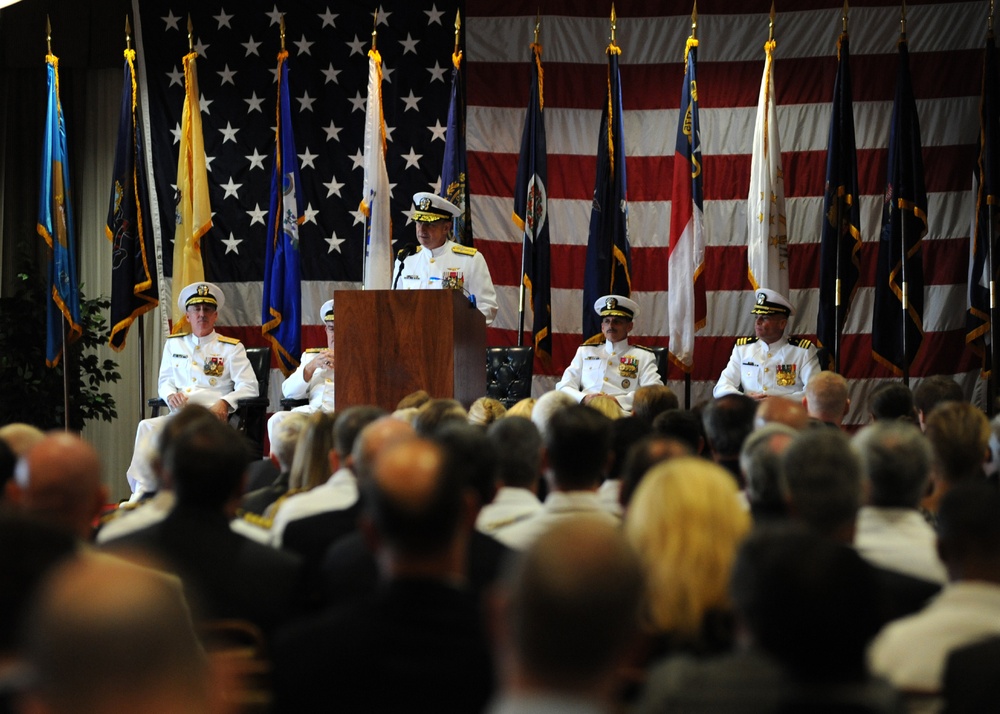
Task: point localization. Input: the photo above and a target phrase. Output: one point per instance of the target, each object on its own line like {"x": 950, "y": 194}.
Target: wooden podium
{"x": 390, "y": 343}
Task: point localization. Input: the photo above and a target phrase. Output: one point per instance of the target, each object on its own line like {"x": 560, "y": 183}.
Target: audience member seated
{"x": 283, "y": 442}
{"x": 686, "y": 522}
{"x": 972, "y": 678}
{"x": 652, "y": 400}
{"x": 683, "y": 425}
{"x": 931, "y": 391}
{"x": 728, "y": 420}
{"x": 567, "y": 621}
{"x": 224, "y": 574}
{"x": 577, "y": 445}
{"x": 107, "y": 637}
{"x": 826, "y": 398}
{"x": 959, "y": 435}
{"x": 804, "y": 608}
{"x": 518, "y": 448}
{"x": 781, "y": 410}
{"x": 625, "y": 432}
{"x": 436, "y": 411}
{"x": 547, "y": 405}
{"x": 760, "y": 465}
{"x": 486, "y": 410}
{"x": 523, "y": 408}
{"x": 891, "y": 533}
{"x": 644, "y": 455}
{"x": 417, "y": 644}
{"x": 912, "y": 652}
{"x": 892, "y": 400}
{"x": 605, "y": 405}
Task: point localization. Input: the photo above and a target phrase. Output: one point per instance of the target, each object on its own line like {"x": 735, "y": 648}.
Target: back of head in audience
{"x": 523, "y": 408}
{"x": 728, "y": 420}
{"x": 685, "y": 520}
{"x": 826, "y": 397}
{"x": 810, "y": 603}
{"x": 652, "y": 400}
{"x": 437, "y": 411}
{"x": 486, "y": 410}
{"x": 959, "y": 435}
{"x": 895, "y": 462}
{"x": 111, "y": 637}
{"x": 188, "y": 415}
{"x": 20, "y": 437}
{"x": 577, "y": 448}
{"x": 822, "y": 479}
{"x": 311, "y": 465}
{"x": 642, "y": 456}
{"x": 760, "y": 463}
{"x": 416, "y": 504}
{"x": 349, "y": 424}
{"x": 569, "y": 611}
{"x": 624, "y": 433}
{"x": 286, "y": 438}
{"x": 518, "y": 448}
{"x": 683, "y": 425}
{"x": 414, "y": 400}
{"x": 378, "y": 435}
{"x": 892, "y": 400}
{"x": 206, "y": 463}
{"x": 780, "y": 410}
{"x": 606, "y": 405}
{"x": 969, "y": 532}
{"x": 931, "y": 391}
{"x": 547, "y": 405}
{"x": 468, "y": 445}
{"x": 58, "y": 481}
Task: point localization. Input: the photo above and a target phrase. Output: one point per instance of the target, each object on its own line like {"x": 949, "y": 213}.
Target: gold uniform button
{"x": 765, "y": 389}
{"x": 766, "y": 370}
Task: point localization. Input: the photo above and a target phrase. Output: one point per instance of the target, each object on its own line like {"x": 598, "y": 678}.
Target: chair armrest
{"x": 287, "y": 403}
{"x": 251, "y": 402}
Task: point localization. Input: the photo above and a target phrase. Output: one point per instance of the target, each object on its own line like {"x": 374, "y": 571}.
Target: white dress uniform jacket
{"x": 319, "y": 390}
{"x": 616, "y": 369}
{"x": 206, "y": 369}
{"x": 424, "y": 269}
{"x": 781, "y": 369}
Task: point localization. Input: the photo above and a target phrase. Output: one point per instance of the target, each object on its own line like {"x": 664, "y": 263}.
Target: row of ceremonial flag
{"x": 897, "y": 327}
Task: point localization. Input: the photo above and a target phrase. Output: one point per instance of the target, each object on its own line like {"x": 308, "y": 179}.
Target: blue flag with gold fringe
{"x": 608, "y": 269}
{"x": 55, "y": 225}
{"x": 983, "y": 244}
{"x": 455, "y": 169}
{"x": 281, "y": 320}
{"x": 133, "y": 274}
{"x": 840, "y": 241}
{"x": 531, "y": 212}
{"x": 897, "y": 320}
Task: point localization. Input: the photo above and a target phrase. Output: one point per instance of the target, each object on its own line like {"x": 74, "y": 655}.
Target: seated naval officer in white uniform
{"x": 613, "y": 367}
{"x": 312, "y": 379}
{"x": 769, "y": 364}
{"x": 441, "y": 262}
{"x": 198, "y": 367}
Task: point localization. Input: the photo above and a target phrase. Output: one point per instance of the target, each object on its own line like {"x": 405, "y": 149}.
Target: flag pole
{"x": 687, "y": 373}
{"x": 524, "y": 252}
{"x": 904, "y": 302}
{"x": 838, "y": 326}
{"x": 367, "y": 223}
{"x": 991, "y": 383}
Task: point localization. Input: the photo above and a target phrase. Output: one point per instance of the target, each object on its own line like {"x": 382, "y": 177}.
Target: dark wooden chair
{"x": 250, "y": 416}
{"x": 662, "y": 361}
{"x": 508, "y": 373}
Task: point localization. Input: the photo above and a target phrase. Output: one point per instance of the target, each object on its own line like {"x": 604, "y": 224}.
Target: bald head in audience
{"x": 58, "y": 481}
{"x": 826, "y": 398}
{"x": 780, "y": 410}
{"x": 375, "y": 437}
{"x": 107, "y": 637}
{"x": 569, "y": 613}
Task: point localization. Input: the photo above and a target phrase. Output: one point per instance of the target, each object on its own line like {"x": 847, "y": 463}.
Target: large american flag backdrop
{"x": 328, "y": 70}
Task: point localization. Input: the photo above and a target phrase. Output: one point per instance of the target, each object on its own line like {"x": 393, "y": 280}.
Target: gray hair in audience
{"x": 826, "y": 396}
{"x": 822, "y": 480}
{"x": 547, "y": 405}
{"x": 286, "y": 437}
{"x": 896, "y": 461}
{"x": 760, "y": 462}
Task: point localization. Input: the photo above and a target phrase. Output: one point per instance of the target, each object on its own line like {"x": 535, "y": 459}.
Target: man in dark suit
{"x": 225, "y": 574}
{"x": 417, "y": 643}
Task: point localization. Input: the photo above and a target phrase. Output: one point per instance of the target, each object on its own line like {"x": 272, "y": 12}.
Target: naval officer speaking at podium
{"x": 441, "y": 262}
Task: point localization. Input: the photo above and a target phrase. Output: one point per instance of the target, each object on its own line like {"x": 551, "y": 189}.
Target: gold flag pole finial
{"x": 844, "y": 16}
{"x": 281, "y": 29}
{"x": 614, "y": 24}
{"x": 128, "y": 34}
{"x": 694, "y": 21}
{"x": 458, "y": 27}
{"x": 902, "y": 20}
{"x": 538, "y": 23}
{"x": 48, "y": 33}
{"x": 190, "y": 34}
{"x": 375, "y": 30}
{"x": 770, "y": 25}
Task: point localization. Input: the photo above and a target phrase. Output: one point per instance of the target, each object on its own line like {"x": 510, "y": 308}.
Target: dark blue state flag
{"x": 455, "y": 168}
{"x": 531, "y": 212}
{"x": 133, "y": 270}
{"x": 840, "y": 241}
{"x": 281, "y": 319}
{"x": 983, "y": 246}
{"x": 55, "y": 225}
{"x": 897, "y": 321}
{"x": 608, "y": 269}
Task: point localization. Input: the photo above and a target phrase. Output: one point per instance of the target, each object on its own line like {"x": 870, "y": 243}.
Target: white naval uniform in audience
{"x": 205, "y": 369}
{"x": 509, "y": 506}
{"x": 423, "y": 271}
{"x": 781, "y": 369}
{"x": 319, "y": 390}
{"x": 616, "y": 369}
